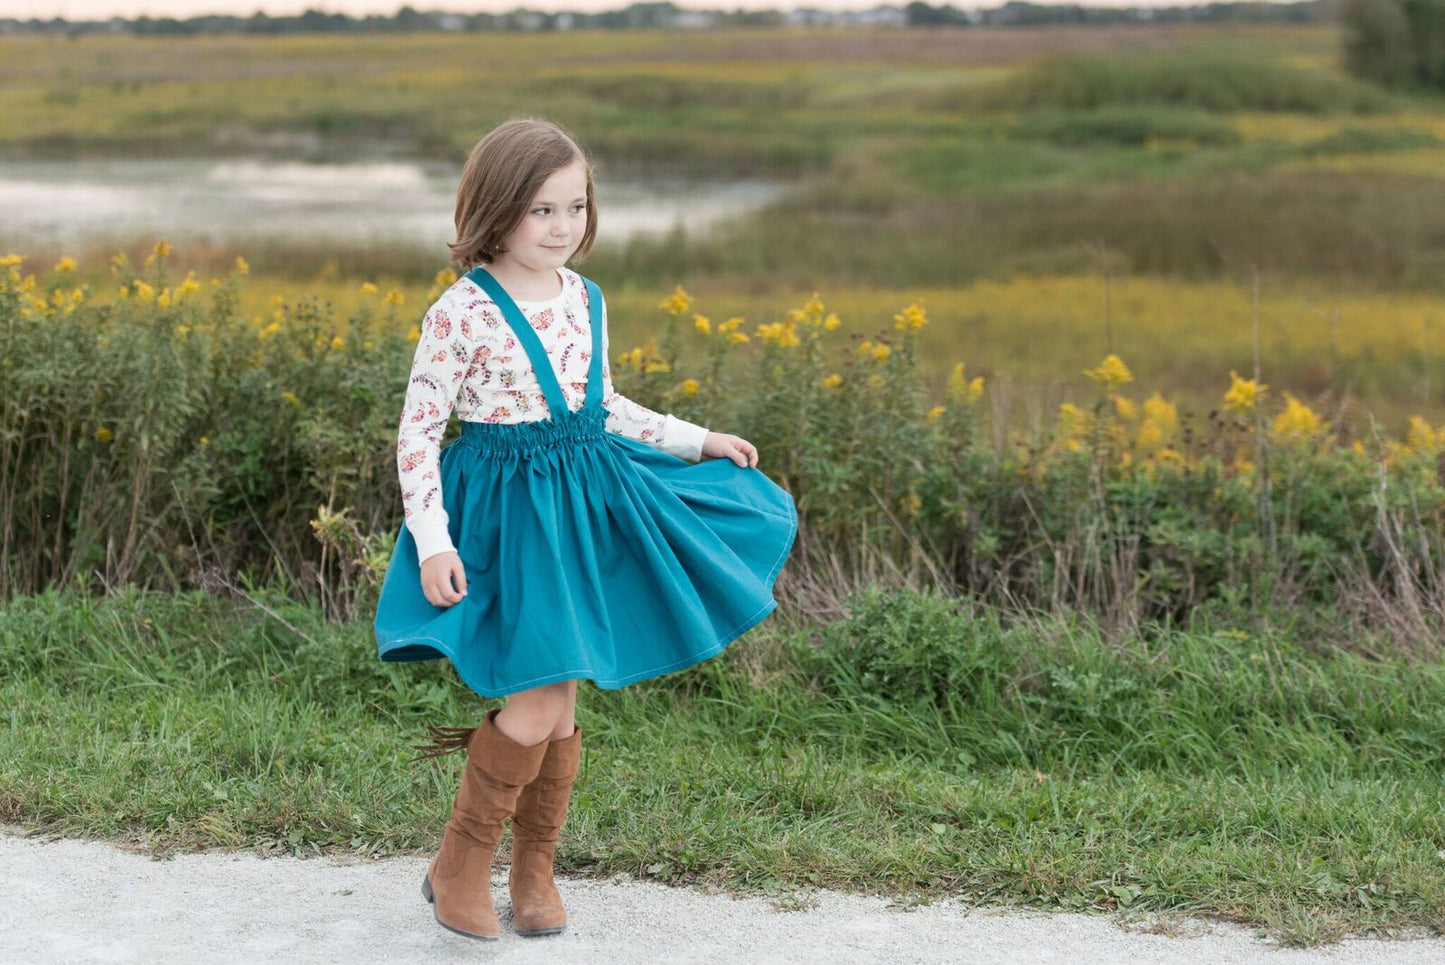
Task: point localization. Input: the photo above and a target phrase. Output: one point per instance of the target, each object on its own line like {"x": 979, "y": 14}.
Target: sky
{"x": 101, "y": 9}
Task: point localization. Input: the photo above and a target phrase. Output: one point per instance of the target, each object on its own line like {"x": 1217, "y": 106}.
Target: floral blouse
{"x": 468, "y": 357}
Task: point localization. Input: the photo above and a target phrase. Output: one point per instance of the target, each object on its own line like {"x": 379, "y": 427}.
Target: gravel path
{"x": 75, "y": 901}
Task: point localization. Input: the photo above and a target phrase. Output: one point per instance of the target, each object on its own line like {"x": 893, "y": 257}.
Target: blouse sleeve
{"x": 627, "y": 418}
{"x": 437, "y": 370}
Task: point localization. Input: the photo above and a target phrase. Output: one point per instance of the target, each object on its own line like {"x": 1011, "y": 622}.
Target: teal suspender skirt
{"x": 588, "y": 555}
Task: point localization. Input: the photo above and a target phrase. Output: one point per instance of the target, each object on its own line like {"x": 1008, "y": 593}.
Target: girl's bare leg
{"x": 567, "y": 722}
{"x": 532, "y": 716}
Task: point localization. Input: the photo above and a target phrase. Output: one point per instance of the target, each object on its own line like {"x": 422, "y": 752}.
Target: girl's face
{"x": 553, "y": 226}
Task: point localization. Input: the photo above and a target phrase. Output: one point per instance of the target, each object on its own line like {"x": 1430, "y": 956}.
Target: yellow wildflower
{"x": 103, "y": 434}
{"x": 814, "y": 307}
{"x": 337, "y": 342}
{"x": 188, "y": 284}
{"x": 936, "y": 411}
{"x": 1125, "y": 407}
{"x": 1296, "y": 421}
{"x": 702, "y": 324}
{"x": 414, "y": 335}
{"x": 911, "y": 318}
{"x": 1243, "y": 394}
{"x": 392, "y": 297}
{"x": 163, "y": 300}
{"x": 162, "y": 248}
{"x": 833, "y": 380}
{"x": 242, "y": 266}
{"x": 66, "y": 263}
{"x": 117, "y": 262}
{"x": 957, "y": 385}
{"x": 881, "y": 352}
{"x": 1162, "y": 411}
{"x": 205, "y": 440}
{"x": 677, "y": 302}
{"x": 290, "y": 397}
{"x": 271, "y": 329}
{"x": 11, "y": 260}
{"x": 782, "y": 333}
{"x": 445, "y": 277}
{"x": 182, "y": 330}
{"x": 689, "y": 386}
{"x": 737, "y": 337}
{"x": 1160, "y": 420}
{"x": 143, "y": 291}
{"x": 124, "y": 291}
{"x": 368, "y": 288}
{"x": 831, "y": 322}
{"x": 730, "y": 325}
{"x": 910, "y": 504}
{"x": 975, "y": 388}
{"x": 1074, "y": 422}
{"x": 1111, "y": 372}
{"x": 1421, "y": 437}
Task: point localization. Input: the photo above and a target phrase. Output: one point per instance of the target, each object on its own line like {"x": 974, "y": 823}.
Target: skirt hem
{"x": 430, "y": 648}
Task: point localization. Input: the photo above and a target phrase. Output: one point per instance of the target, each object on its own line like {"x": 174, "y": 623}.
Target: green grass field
{"x": 915, "y": 748}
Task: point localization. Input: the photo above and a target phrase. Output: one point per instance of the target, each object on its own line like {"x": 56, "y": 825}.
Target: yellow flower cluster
{"x": 644, "y": 358}
{"x": 689, "y": 387}
{"x": 879, "y": 352}
{"x": 1111, "y": 372}
{"x": 833, "y": 380}
{"x": 1243, "y": 394}
{"x": 677, "y": 302}
{"x": 962, "y": 390}
{"x": 1297, "y": 421}
{"x": 784, "y": 334}
{"x": 911, "y": 319}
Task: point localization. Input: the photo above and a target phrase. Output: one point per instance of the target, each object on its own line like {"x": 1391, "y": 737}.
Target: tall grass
{"x": 166, "y": 440}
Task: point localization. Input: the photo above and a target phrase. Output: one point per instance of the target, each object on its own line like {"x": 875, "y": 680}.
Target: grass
{"x": 917, "y": 748}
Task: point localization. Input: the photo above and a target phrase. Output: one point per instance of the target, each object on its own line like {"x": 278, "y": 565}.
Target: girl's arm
{"x": 443, "y": 353}
{"x": 664, "y": 431}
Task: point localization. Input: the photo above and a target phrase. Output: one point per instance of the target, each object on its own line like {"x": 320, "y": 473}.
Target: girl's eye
{"x": 583, "y": 206}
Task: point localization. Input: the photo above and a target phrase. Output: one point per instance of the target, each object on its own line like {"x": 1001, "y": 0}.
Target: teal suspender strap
{"x": 546, "y": 375}
{"x": 594, "y": 371}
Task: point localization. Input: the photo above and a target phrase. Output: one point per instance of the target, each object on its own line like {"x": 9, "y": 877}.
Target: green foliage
{"x": 1134, "y": 125}
{"x": 1398, "y": 43}
{"x": 1207, "y": 80}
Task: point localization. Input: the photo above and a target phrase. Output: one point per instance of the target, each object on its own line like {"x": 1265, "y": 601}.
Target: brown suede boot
{"x": 458, "y": 882}
{"x": 541, "y": 810}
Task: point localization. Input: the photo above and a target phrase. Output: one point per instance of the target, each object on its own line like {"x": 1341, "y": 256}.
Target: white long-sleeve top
{"x": 468, "y": 358}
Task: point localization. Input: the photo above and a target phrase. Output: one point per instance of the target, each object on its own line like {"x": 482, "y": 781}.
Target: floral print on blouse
{"x": 467, "y": 357}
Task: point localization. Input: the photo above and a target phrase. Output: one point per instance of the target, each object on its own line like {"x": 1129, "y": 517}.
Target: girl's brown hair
{"x": 503, "y": 173}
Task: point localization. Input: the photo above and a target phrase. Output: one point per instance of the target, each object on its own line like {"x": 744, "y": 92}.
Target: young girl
{"x": 567, "y": 534}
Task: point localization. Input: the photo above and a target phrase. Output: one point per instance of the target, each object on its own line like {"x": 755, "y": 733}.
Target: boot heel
{"x": 426, "y": 891}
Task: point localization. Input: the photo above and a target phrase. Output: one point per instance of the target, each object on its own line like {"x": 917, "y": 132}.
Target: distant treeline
{"x": 669, "y": 15}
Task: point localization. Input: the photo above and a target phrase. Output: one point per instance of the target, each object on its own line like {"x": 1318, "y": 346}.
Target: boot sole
{"x": 430, "y": 896}
{"x": 531, "y": 932}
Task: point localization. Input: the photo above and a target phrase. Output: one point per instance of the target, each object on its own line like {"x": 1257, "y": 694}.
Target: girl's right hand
{"x": 438, "y": 573}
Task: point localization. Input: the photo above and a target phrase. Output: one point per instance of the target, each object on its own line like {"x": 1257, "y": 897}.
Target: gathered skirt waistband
{"x": 520, "y": 438}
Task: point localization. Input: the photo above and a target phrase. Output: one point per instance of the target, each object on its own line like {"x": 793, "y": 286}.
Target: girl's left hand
{"x": 737, "y": 449}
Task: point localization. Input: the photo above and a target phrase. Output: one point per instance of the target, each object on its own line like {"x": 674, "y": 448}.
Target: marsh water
{"x": 231, "y": 201}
